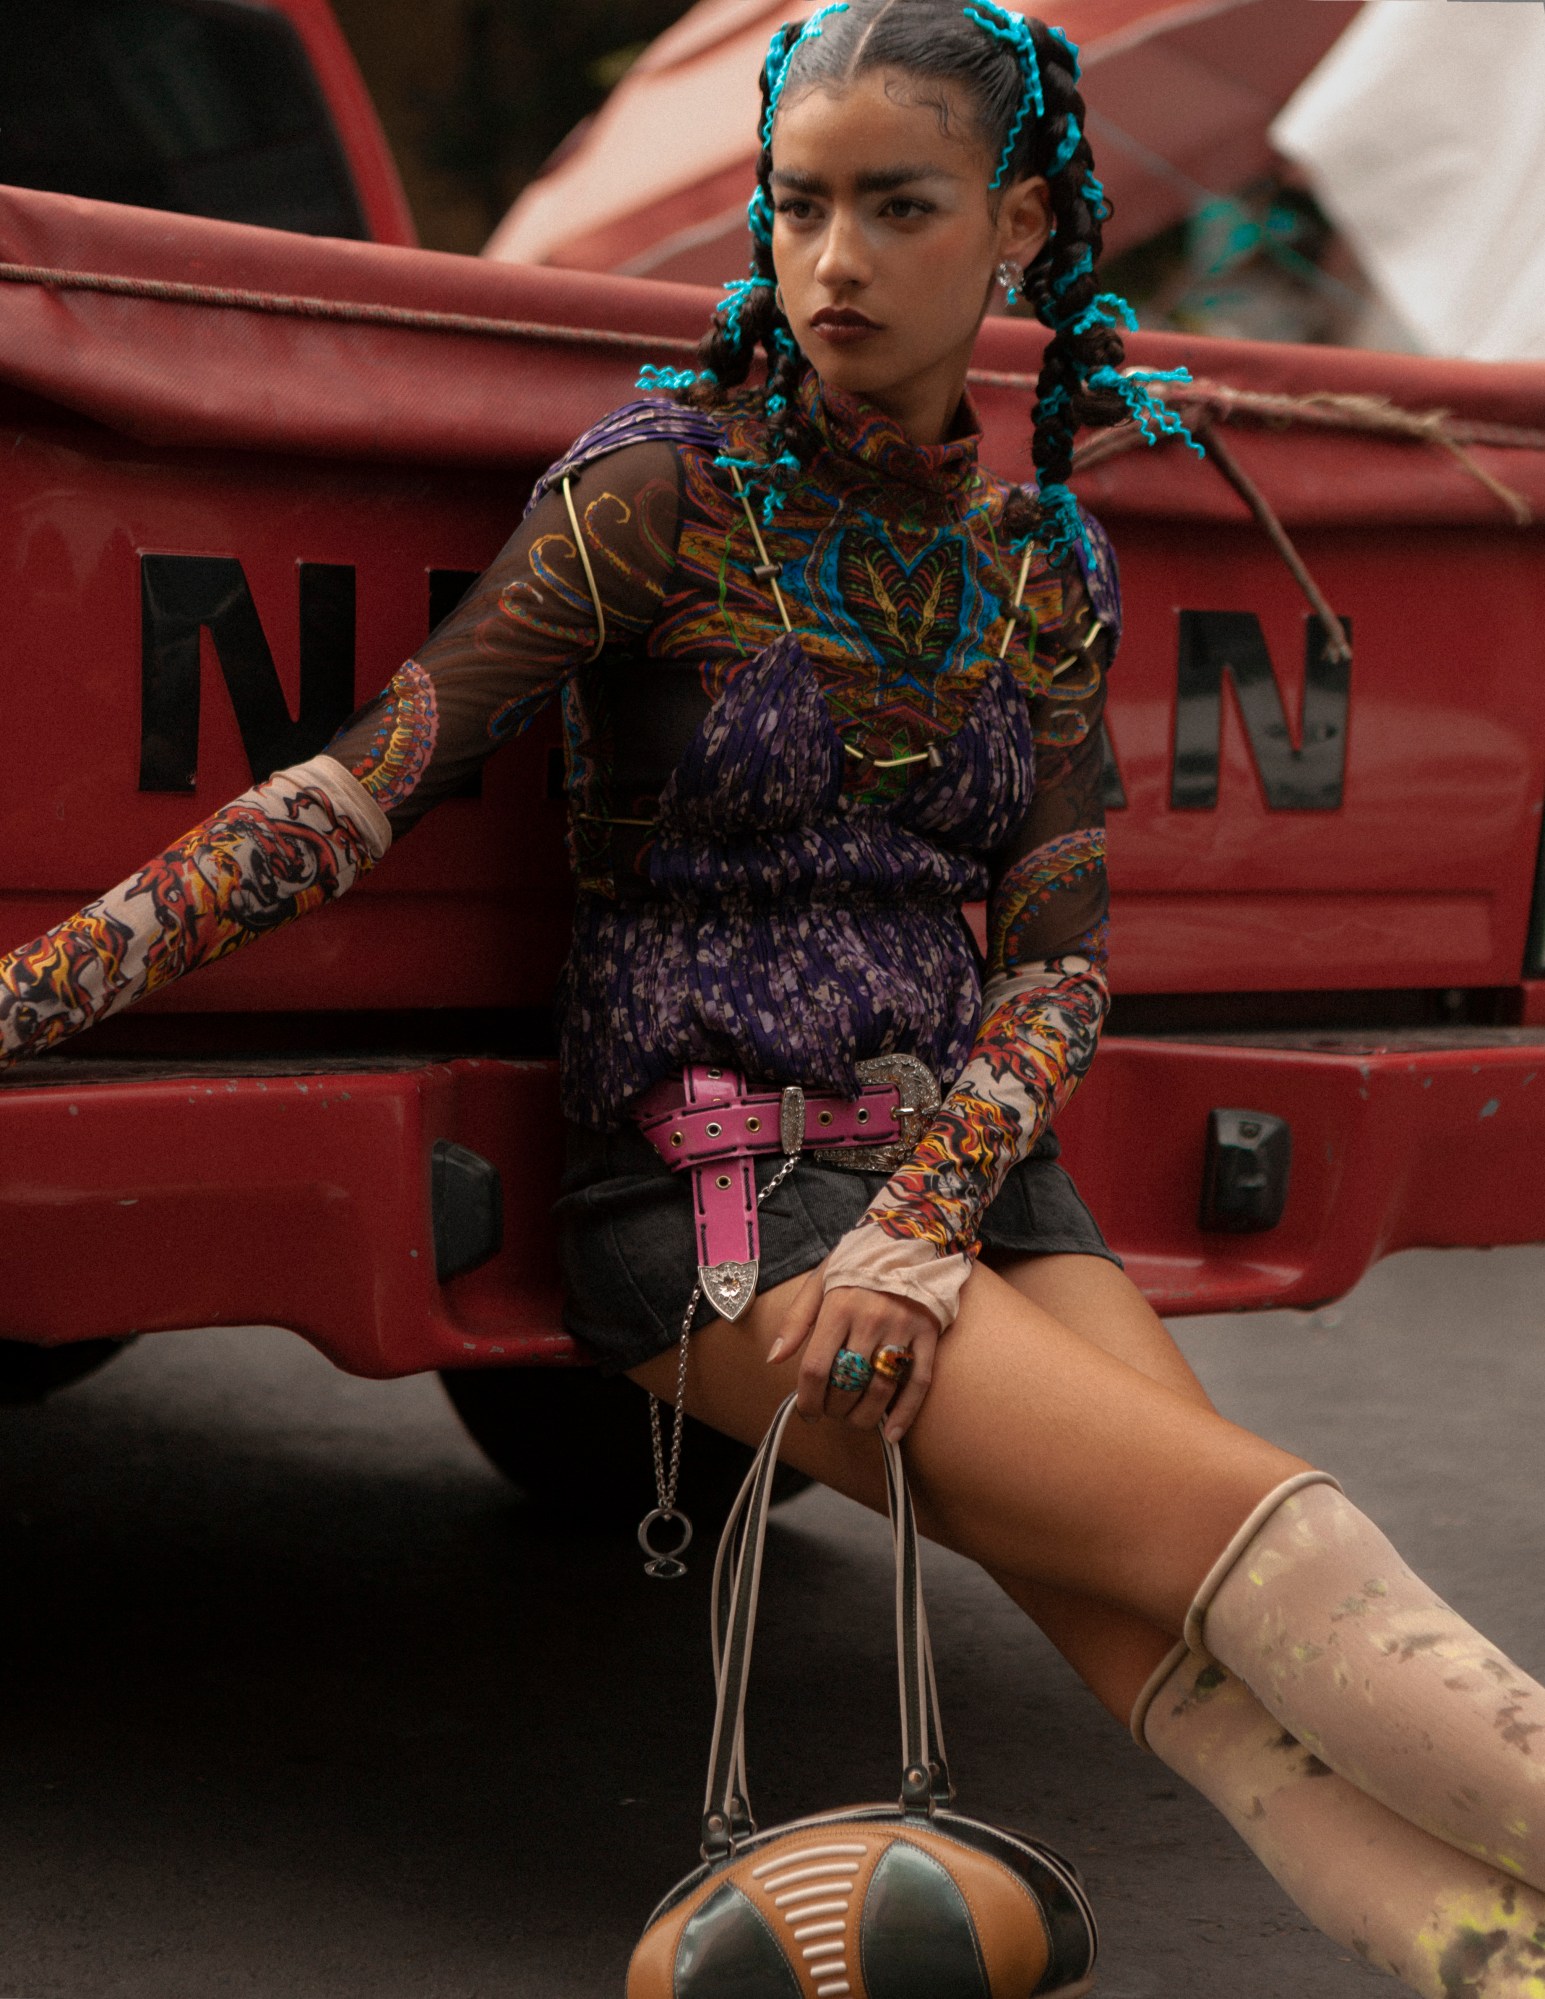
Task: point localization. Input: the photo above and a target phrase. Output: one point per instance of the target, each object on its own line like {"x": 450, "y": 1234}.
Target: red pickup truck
{"x": 246, "y": 471}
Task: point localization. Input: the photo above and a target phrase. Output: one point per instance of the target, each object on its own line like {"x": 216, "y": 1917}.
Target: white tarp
{"x": 1423, "y": 136}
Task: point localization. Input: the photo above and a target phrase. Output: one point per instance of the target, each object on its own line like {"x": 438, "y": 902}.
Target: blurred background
{"x": 477, "y": 95}
{"x": 1301, "y": 170}
{"x": 1364, "y": 172}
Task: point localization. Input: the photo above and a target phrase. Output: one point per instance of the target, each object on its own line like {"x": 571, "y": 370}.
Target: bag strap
{"x": 737, "y": 1584}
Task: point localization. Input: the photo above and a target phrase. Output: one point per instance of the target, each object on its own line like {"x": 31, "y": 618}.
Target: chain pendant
{"x": 665, "y": 1564}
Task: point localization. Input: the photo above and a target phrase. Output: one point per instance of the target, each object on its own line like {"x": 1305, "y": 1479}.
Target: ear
{"x": 1024, "y": 220}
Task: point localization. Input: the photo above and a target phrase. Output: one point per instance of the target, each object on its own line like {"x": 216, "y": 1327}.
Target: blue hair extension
{"x": 781, "y": 54}
{"x": 652, "y": 379}
{"x": 1082, "y": 266}
{"x": 759, "y": 213}
{"x": 1069, "y": 48}
{"x": 1153, "y": 418}
{"x": 1015, "y": 30}
{"x": 734, "y": 299}
{"x": 1093, "y": 192}
{"x": 1106, "y": 310}
{"x": 1069, "y": 146}
{"x": 755, "y": 470}
{"x": 772, "y": 500}
{"x": 735, "y": 292}
{"x": 1062, "y": 526}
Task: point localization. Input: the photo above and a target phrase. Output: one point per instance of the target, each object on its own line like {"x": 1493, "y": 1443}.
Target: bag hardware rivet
{"x": 716, "y": 1074}
{"x": 723, "y": 1180}
{"x": 863, "y": 1117}
{"x": 826, "y": 1117}
{"x": 753, "y": 1124}
{"x": 713, "y": 1130}
{"x": 676, "y": 1138}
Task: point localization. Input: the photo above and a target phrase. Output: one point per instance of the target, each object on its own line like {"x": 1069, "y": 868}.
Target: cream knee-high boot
{"x": 1376, "y": 1675}
{"x": 1409, "y": 1903}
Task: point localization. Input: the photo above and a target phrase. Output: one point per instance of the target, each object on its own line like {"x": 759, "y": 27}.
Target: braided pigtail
{"x": 749, "y": 317}
{"x": 1083, "y": 377}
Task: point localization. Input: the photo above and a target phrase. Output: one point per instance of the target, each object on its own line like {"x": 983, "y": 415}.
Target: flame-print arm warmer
{"x": 306, "y": 835}
{"x": 1043, "y": 1004}
{"x": 281, "y": 849}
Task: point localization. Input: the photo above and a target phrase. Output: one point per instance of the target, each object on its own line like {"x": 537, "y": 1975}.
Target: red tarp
{"x": 222, "y": 377}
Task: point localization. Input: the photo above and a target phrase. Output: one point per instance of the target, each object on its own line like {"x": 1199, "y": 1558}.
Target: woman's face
{"x": 887, "y": 242}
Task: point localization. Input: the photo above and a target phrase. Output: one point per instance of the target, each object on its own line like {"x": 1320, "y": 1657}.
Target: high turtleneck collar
{"x": 856, "y": 430}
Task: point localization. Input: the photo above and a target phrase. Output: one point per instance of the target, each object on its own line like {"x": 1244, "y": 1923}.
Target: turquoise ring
{"x": 851, "y": 1372}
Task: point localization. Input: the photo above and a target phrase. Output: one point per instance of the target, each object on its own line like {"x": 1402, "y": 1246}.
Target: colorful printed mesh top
{"x": 772, "y": 829}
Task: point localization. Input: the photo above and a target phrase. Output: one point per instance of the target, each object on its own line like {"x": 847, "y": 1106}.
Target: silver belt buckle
{"x": 917, "y": 1091}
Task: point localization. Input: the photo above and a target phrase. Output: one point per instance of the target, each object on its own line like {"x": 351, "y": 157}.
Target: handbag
{"x": 881, "y": 1901}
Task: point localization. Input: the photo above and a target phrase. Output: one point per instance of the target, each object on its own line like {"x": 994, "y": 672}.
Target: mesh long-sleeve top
{"x": 772, "y": 831}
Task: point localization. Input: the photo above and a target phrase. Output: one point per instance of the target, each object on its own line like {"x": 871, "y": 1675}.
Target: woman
{"x": 823, "y": 677}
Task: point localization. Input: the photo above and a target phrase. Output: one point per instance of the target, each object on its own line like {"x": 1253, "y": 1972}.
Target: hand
{"x": 823, "y": 1322}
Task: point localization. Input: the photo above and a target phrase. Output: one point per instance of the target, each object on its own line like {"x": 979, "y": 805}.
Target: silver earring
{"x": 1012, "y": 278}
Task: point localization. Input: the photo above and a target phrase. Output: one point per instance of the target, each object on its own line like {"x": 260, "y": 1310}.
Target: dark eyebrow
{"x": 885, "y": 181}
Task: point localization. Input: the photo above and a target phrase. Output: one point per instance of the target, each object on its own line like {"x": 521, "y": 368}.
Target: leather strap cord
{"x": 736, "y": 1589}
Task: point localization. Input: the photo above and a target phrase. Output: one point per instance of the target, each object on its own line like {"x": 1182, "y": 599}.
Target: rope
{"x": 340, "y": 310}
{"x": 1323, "y": 410}
{"x": 1373, "y": 414}
{"x": 1210, "y": 403}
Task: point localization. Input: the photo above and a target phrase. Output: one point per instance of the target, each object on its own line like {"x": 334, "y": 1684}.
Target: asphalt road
{"x": 295, "y": 1701}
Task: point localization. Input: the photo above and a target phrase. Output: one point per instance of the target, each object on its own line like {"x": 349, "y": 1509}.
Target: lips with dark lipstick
{"x": 843, "y": 325}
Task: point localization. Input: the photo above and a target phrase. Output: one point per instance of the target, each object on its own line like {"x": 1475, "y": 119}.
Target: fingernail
{"x": 775, "y": 1352}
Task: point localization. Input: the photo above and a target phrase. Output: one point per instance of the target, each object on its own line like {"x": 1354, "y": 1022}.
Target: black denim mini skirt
{"x": 629, "y": 1260}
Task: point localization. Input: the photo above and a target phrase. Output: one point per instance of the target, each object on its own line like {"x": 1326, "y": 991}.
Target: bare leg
{"x": 1112, "y": 1651}
{"x": 1038, "y": 1454}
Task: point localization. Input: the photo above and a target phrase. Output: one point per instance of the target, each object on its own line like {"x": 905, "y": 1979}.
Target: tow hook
{"x": 466, "y": 1208}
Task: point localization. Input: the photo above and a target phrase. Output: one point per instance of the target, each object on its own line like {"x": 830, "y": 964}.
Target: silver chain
{"x": 670, "y": 1566}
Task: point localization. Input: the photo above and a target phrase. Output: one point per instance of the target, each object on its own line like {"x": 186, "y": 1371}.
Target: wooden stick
{"x": 1231, "y": 469}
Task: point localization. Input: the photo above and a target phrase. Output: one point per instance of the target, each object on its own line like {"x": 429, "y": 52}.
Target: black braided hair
{"x": 936, "y": 41}
{"x": 752, "y": 317}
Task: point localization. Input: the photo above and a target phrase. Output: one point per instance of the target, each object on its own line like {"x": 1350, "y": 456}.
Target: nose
{"x": 844, "y": 262}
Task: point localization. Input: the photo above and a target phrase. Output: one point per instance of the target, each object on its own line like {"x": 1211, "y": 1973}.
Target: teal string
{"x": 780, "y": 57}
{"x": 1068, "y": 47}
{"x": 1062, "y": 526}
{"x": 759, "y": 213}
{"x": 1153, "y": 418}
{"x": 1069, "y": 146}
{"x": 1014, "y": 30}
{"x": 1107, "y": 310}
{"x": 1082, "y": 266}
{"x": 735, "y": 295}
{"x": 652, "y": 379}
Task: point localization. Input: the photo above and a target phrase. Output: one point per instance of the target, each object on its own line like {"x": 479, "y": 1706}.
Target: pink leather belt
{"x": 713, "y": 1124}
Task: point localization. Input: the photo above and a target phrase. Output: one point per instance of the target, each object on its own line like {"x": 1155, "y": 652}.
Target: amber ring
{"x": 893, "y": 1363}
{"x": 851, "y": 1372}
